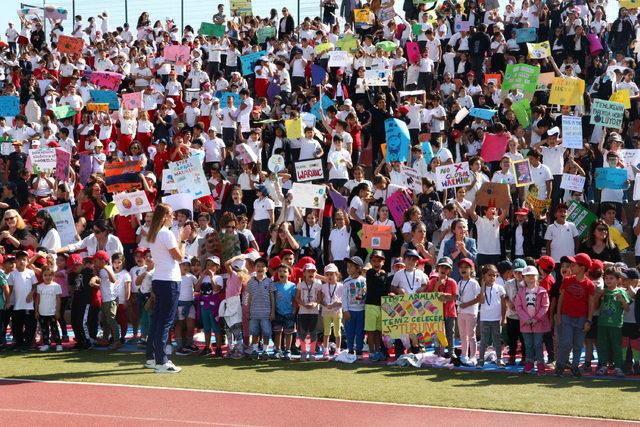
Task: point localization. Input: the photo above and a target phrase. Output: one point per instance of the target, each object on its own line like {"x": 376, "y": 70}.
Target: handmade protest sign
{"x": 572, "y": 182}
{"x": 494, "y": 78}
{"x": 544, "y": 80}
{"x": 376, "y": 77}
{"x": 522, "y": 172}
{"x": 427, "y": 149}
{"x": 9, "y": 106}
{"x": 321, "y": 47}
{"x": 413, "y": 52}
{"x": 539, "y": 50}
{"x": 361, "y": 15}
{"x": 105, "y": 97}
{"x": 179, "y": 201}
{"x": 636, "y": 187}
{"x": 168, "y": 183}
{"x": 85, "y": 167}
{"x": 70, "y": 45}
{"x": 494, "y": 146}
{"x": 309, "y": 170}
{"x": 572, "y": 132}
{"x": 398, "y": 140}
{"x": 482, "y": 113}
{"x": 217, "y": 30}
{"x": 622, "y": 96}
{"x": 521, "y": 76}
{"x": 64, "y": 111}
{"x": 338, "y": 200}
{"x": 453, "y": 175}
{"x": 538, "y": 206}
{"x": 241, "y": 7}
{"x": 43, "y": 159}
{"x": 249, "y": 60}
{"x": 607, "y": 113}
{"x": 460, "y": 115}
{"x": 189, "y": 177}
{"x": 348, "y": 43}
{"x": 376, "y": 236}
{"x": 294, "y": 128}
{"x": 565, "y": 91}
{"x": 580, "y": 216}
{"x": 494, "y": 194}
{"x": 132, "y": 203}
{"x": 411, "y": 179}
{"x": 340, "y": 58}
{"x": 308, "y": 195}
{"x": 613, "y": 178}
{"x": 522, "y": 110}
{"x": 325, "y": 103}
{"x": 524, "y": 35}
{"x": 63, "y": 161}
{"x": 177, "y": 53}
{"x": 265, "y": 33}
{"x": 417, "y": 314}
{"x": 122, "y": 176}
{"x": 398, "y": 203}
{"x": 631, "y": 160}
{"x": 618, "y": 238}
{"x": 63, "y": 219}
{"x": 224, "y": 96}
{"x": 106, "y": 79}
{"x": 131, "y": 101}
{"x": 98, "y": 107}
{"x": 461, "y": 25}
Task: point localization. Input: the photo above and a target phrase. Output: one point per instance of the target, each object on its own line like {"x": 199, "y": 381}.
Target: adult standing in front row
{"x": 167, "y": 253}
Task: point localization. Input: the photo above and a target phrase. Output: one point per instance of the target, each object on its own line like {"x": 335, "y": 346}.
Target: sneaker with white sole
{"x": 150, "y": 363}
{"x": 44, "y": 348}
{"x": 167, "y": 368}
{"x": 59, "y": 347}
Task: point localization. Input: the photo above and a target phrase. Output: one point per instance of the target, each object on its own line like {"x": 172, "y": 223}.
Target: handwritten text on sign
{"x": 412, "y": 314}
{"x": 309, "y": 170}
{"x": 607, "y": 113}
{"x": 454, "y": 175}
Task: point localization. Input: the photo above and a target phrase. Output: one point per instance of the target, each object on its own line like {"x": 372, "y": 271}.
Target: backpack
{"x": 432, "y": 215}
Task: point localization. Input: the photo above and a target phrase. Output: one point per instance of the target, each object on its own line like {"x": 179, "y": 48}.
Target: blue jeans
{"x": 354, "y": 330}
{"x": 571, "y": 339}
{"x": 164, "y": 310}
{"x": 533, "y": 346}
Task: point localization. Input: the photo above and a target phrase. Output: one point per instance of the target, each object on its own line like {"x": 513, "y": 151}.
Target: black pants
{"x": 79, "y": 319}
{"x": 92, "y": 322}
{"x": 3, "y": 327}
{"x": 64, "y": 306}
{"x": 355, "y": 229}
{"x": 49, "y": 329}
{"x": 513, "y": 336}
{"x": 23, "y": 327}
{"x": 547, "y": 339}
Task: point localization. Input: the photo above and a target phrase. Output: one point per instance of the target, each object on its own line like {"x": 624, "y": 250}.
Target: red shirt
{"x": 89, "y": 210}
{"x": 448, "y": 287}
{"x": 124, "y": 230}
{"x": 548, "y": 282}
{"x": 159, "y": 162}
{"x": 576, "y": 296}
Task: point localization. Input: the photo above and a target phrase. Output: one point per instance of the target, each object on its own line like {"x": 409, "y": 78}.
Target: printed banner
{"x": 398, "y": 140}
{"x": 190, "y": 177}
{"x": 565, "y": 91}
{"x": 70, "y": 45}
{"x": 521, "y": 76}
{"x": 63, "y": 161}
{"x": 308, "y": 195}
{"x": 572, "y": 132}
{"x": 43, "y": 159}
{"x": 63, "y": 218}
{"x": 376, "y": 236}
{"x": 398, "y": 203}
{"x": 417, "y": 314}
{"x": 105, "y": 97}
{"x": 122, "y": 176}
{"x": 309, "y": 170}
{"x": 494, "y": 146}
{"x": 106, "y": 79}
{"x": 494, "y": 194}
{"x": 131, "y": 101}
{"x": 132, "y": 203}
{"x": 607, "y": 113}
{"x": 522, "y": 172}
{"x": 9, "y": 106}
{"x": 249, "y": 60}
{"x": 453, "y": 175}
{"x": 177, "y": 53}
{"x": 580, "y": 216}
{"x": 572, "y": 182}
{"x": 613, "y": 178}
{"x": 539, "y": 50}
{"x": 217, "y": 30}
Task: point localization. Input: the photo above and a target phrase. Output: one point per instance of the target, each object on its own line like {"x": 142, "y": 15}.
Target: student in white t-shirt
{"x": 339, "y": 241}
{"x": 106, "y": 281}
{"x": 48, "y": 299}
{"x": 123, "y": 292}
{"x": 493, "y": 308}
{"x": 488, "y": 227}
{"x": 468, "y": 298}
{"x": 562, "y": 235}
{"x": 22, "y": 284}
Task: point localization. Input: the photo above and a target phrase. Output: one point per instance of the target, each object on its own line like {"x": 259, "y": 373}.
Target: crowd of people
{"x": 261, "y": 276}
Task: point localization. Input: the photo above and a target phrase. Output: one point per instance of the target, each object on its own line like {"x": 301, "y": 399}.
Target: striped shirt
{"x": 260, "y": 291}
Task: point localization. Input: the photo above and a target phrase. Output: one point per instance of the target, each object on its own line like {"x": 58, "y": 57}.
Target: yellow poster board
{"x": 539, "y": 50}
{"x": 567, "y": 91}
{"x": 293, "y": 127}
{"x": 622, "y": 96}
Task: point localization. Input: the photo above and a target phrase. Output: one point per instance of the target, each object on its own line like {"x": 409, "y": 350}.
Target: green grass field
{"x": 481, "y": 390}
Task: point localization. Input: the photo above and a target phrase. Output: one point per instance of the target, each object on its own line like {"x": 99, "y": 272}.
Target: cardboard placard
{"x": 494, "y": 194}
{"x": 376, "y": 236}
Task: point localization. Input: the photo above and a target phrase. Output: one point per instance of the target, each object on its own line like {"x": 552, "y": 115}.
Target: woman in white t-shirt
{"x": 167, "y": 253}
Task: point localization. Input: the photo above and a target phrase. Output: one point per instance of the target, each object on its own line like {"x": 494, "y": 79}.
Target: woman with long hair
{"x": 459, "y": 246}
{"x": 49, "y": 237}
{"x": 13, "y": 232}
{"x": 598, "y": 243}
{"x": 167, "y": 254}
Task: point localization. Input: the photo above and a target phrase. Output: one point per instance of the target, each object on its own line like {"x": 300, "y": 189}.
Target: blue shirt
{"x": 285, "y": 294}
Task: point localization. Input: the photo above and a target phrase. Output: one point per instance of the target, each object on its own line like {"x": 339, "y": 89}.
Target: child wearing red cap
{"x": 596, "y": 274}
{"x": 546, "y": 265}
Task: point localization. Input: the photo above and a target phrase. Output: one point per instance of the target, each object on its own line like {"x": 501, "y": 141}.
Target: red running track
{"x": 71, "y": 404}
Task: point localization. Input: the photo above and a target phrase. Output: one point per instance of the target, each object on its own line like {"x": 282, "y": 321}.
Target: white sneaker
{"x": 59, "y": 347}
{"x": 44, "y": 348}
{"x": 168, "y": 349}
{"x": 167, "y": 368}
{"x": 464, "y": 360}
{"x": 151, "y": 364}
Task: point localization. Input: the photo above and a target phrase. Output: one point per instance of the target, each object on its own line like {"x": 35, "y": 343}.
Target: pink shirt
{"x": 234, "y": 286}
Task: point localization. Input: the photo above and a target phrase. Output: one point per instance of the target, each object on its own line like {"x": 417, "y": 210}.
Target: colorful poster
{"x": 64, "y": 111}
{"x": 417, "y": 314}
{"x": 398, "y": 140}
{"x": 453, "y": 175}
{"x": 265, "y": 33}
{"x": 494, "y": 194}
{"x": 622, "y": 96}
{"x": 524, "y": 35}
{"x": 376, "y": 236}
{"x": 43, "y": 159}
{"x": 461, "y": 25}
{"x": 411, "y": 179}
{"x": 522, "y": 110}
{"x": 340, "y": 58}
{"x": 122, "y": 176}
{"x": 105, "y": 97}
{"x": 361, "y": 16}
{"x": 539, "y": 50}
{"x": 572, "y": 182}
{"x": 217, "y": 30}
{"x": 309, "y": 170}
{"x": 85, "y": 167}
{"x": 613, "y": 178}
{"x": 276, "y": 163}
{"x": 607, "y": 113}
{"x": 106, "y": 79}
{"x": 377, "y": 77}
{"x": 249, "y": 60}
{"x": 98, "y": 107}
{"x": 521, "y": 76}
{"x": 566, "y": 91}
{"x": 132, "y": 203}
{"x": 522, "y": 172}
{"x": 131, "y": 101}
{"x": 427, "y": 150}
{"x": 398, "y": 203}
{"x": 494, "y": 146}
{"x": 293, "y": 128}
{"x": 494, "y": 78}
{"x": 482, "y": 113}
{"x": 572, "y": 132}
{"x": 539, "y": 207}
{"x": 63, "y": 218}
{"x": 325, "y": 103}
{"x": 308, "y": 195}
{"x": 580, "y": 216}
{"x": 338, "y": 200}
{"x": 70, "y": 45}
{"x": 348, "y": 43}
{"x": 241, "y": 8}
{"x": 9, "y": 106}
{"x": 224, "y": 97}
{"x": 190, "y": 177}
{"x": 413, "y": 52}
{"x": 63, "y": 161}
{"x": 322, "y": 47}
{"x": 177, "y": 53}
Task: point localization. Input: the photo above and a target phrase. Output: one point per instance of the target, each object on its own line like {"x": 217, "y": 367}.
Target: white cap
{"x": 553, "y": 131}
{"x": 330, "y": 268}
{"x": 214, "y": 259}
{"x": 530, "y": 270}
{"x": 310, "y": 266}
